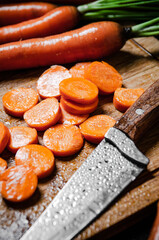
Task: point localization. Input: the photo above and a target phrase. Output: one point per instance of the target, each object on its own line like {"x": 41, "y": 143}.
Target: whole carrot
{"x": 74, "y": 2}
{"x": 56, "y": 21}
{"x": 22, "y": 11}
{"x": 93, "y": 41}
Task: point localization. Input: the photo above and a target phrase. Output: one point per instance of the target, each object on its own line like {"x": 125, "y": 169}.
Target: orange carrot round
{"x": 104, "y": 76}
{"x": 48, "y": 83}
{"x": 44, "y": 114}
{"x": 68, "y": 118}
{"x": 18, "y": 183}
{"x": 79, "y": 69}
{"x": 124, "y": 98}
{"x": 79, "y": 90}
{"x": 17, "y": 101}
{"x": 21, "y": 136}
{"x": 93, "y": 41}
{"x": 3, "y": 165}
{"x": 19, "y": 12}
{"x": 4, "y": 136}
{"x": 94, "y": 128}
{"x": 63, "y": 140}
{"x": 77, "y": 108}
{"x": 37, "y": 157}
{"x": 58, "y": 20}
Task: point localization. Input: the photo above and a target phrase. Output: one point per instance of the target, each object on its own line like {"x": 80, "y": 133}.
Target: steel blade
{"x": 112, "y": 166}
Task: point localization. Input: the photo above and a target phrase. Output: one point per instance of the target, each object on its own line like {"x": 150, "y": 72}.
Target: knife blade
{"x": 109, "y": 169}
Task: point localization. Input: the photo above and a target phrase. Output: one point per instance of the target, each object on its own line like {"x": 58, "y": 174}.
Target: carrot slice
{"x": 44, "y": 114}
{"x": 48, "y": 83}
{"x": 17, "y": 101}
{"x": 68, "y": 118}
{"x": 124, "y": 98}
{"x": 79, "y": 69}
{"x": 79, "y": 90}
{"x": 63, "y": 140}
{"x": 94, "y": 128}
{"x": 4, "y": 136}
{"x": 37, "y": 157}
{"x": 18, "y": 183}
{"x": 21, "y": 136}
{"x": 104, "y": 76}
{"x": 77, "y": 108}
{"x": 3, "y": 165}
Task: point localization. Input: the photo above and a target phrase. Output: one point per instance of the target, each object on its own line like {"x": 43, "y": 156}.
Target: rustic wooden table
{"x": 138, "y": 70}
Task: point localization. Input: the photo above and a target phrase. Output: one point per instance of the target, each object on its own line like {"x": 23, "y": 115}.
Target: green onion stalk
{"x": 120, "y": 10}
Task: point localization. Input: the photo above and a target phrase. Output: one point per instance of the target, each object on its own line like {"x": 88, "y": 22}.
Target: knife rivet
{"x": 139, "y": 111}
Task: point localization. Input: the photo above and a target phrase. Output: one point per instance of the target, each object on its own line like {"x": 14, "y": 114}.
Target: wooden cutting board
{"x": 138, "y": 70}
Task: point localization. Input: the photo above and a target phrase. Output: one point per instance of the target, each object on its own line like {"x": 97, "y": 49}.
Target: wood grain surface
{"x": 138, "y": 70}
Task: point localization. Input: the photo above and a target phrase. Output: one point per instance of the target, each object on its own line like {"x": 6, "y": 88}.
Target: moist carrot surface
{"x": 19, "y": 12}
{"x": 77, "y": 108}
{"x": 58, "y": 20}
{"x": 93, "y": 41}
{"x": 38, "y": 158}
{"x": 18, "y": 183}
{"x": 3, "y": 165}
{"x": 17, "y": 101}
{"x": 79, "y": 90}
{"x": 48, "y": 83}
{"x": 79, "y": 69}
{"x": 63, "y": 140}
{"x": 124, "y": 98}
{"x": 4, "y": 136}
{"x": 94, "y": 128}
{"x": 44, "y": 114}
{"x": 104, "y": 76}
{"x": 68, "y": 118}
{"x": 21, "y": 136}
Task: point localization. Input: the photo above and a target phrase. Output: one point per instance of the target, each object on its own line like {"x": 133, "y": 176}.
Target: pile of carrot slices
{"x": 67, "y": 97}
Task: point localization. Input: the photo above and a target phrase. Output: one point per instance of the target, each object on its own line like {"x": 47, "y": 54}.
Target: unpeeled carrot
{"x": 44, "y": 114}
{"x": 19, "y": 12}
{"x": 21, "y": 136}
{"x": 73, "y": 2}
{"x": 94, "y": 128}
{"x": 79, "y": 90}
{"x": 104, "y": 76}
{"x": 36, "y": 157}
{"x": 92, "y": 41}
{"x": 3, "y": 165}
{"x": 125, "y": 97}
{"x": 58, "y": 20}
{"x": 79, "y": 69}
{"x": 17, "y": 101}
{"x": 4, "y": 136}
{"x": 68, "y": 118}
{"x": 18, "y": 183}
{"x": 48, "y": 83}
{"x": 63, "y": 140}
{"x": 77, "y": 108}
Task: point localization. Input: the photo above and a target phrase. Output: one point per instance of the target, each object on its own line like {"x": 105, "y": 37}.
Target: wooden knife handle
{"x": 142, "y": 114}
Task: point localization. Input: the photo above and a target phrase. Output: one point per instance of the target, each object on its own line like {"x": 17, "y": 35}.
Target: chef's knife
{"x": 110, "y": 168}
